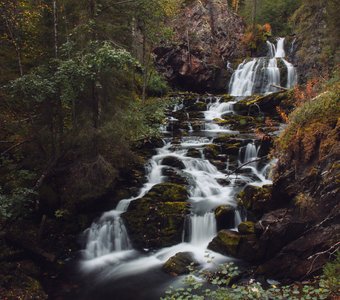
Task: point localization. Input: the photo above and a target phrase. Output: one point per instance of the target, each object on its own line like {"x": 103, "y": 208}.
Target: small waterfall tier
{"x": 261, "y": 75}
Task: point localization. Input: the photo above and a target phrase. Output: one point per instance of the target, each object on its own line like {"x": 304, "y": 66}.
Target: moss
{"x": 155, "y": 224}
{"x": 226, "y": 242}
{"x": 255, "y": 198}
{"x": 224, "y": 138}
{"x": 246, "y": 227}
{"x": 211, "y": 151}
{"x": 312, "y": 129}
{"x": 168, "y": 192}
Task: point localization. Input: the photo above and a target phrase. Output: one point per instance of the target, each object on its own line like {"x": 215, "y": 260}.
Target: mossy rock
{"x": 235, "y": 244}
{"x": 225, "y": 138}
{"x": 220, "y": 165}
{"x": 153, "y": 224}
{"x": 225, "y": 216}
{"x": 174, "y": 176}
{"x": 226, "y": 242}
{"x": 255, "y": 198}
{"x": 211, "y": 151}
{"x": 239, "y": 122}
{"x": 167, "y": 192}
{"x": 227, "y": 98}
{"x": 195, "y": 153}
{"x": 198, "y": 106}
{"x": 268, "y": 103}
{"x": 197, "y": 125}
{"x": 179, "y": 263}
{"x": 231, "y": 149}
{"x": 246, "y": 227}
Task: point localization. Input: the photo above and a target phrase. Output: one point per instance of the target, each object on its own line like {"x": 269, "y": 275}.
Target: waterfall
{"x": 259, "y": 75}
{"x": 202, "y": 229}
{"x": 109, "y": 234}
{"x": 291, "y": 74}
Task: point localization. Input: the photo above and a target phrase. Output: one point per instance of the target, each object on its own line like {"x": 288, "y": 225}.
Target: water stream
{"x": 109, "y": 258}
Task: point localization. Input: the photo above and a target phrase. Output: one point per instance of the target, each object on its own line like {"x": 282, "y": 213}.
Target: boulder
{"x": 192, "y": 152}
{"x": 179, "y": 263}
{"x": 211, "y": 151}
{"x": 256, "y": 199}
{"x": 173, "y": 161}
{"x": 174, "y": 176}
{"x": 232, "y": 243}
{"x": 246, "y": 227}
{"x": 225, "y": 217}
{"x": 226, "y": 242}
{"x": 197, "y": 106}
{"x": 168, "y": 192}
{"x": 155, "y": 225}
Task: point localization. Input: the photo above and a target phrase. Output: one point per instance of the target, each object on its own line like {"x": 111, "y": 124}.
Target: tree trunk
{"x": 16, "y": 46}
{"x": 254, "y": 12}
{"x": 55, "y": 28}
{"x": 95, "y": 112}
{"x": 145, "y": 71}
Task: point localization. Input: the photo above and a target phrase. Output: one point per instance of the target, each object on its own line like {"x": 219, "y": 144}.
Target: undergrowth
{"x": 218, "y": 285}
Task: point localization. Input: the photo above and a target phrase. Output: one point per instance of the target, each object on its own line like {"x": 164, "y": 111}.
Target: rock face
{"x": 207, "y": 36}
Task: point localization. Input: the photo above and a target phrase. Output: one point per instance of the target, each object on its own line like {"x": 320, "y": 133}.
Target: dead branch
{"x": 315, "y": 256}
{"x": 247, "y": 163}
{"x": 13, "y": 147}
{"x": 279, "y": 87}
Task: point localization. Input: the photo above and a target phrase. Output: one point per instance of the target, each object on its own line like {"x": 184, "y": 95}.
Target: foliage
{"x": 157, "y": 86}
{"x": 196, "y": 287}
{"x": 311, "y": 132}
{"x": 254, "y": 37}
{"x": 275, "y": 13}
{"x": 16, "y": 204}
{"x": 315, "y": 23}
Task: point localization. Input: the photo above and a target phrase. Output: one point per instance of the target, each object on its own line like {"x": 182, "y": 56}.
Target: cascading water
{"x": 261, "y": 75}
{"x": 109, "y": 253}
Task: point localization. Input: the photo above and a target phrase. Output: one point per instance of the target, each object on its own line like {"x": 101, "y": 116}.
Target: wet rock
{"x": 211, "y": 151}
{"x": 225, "y": 217}
{"x": 197, "y": 106}
{"x": 173, "y": 176}
{"x": 173, "y": 161}
{"x": 192, "y": 152}
{"x": 178, "y": 264}
{"x": 246, "y": 227}
{"x": 223, "y": 181}
{"x": 268, "y": 103}
{"x": 196, "y": 115}
{"x": 153, "y": 224}
{"x": 232, "y": 243}
{"x": 220, "y": 165}
{"x": 225, "y": 138}
{"x": 226, "y": 242}
{"x": 168, "y": 192}
{"x": 256, "y": 199}
{"x": 197, "y": 125}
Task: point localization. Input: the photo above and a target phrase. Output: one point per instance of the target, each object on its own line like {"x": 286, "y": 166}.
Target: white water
{"x": 259, "y": 75}
{"x": 109, "y": 251}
